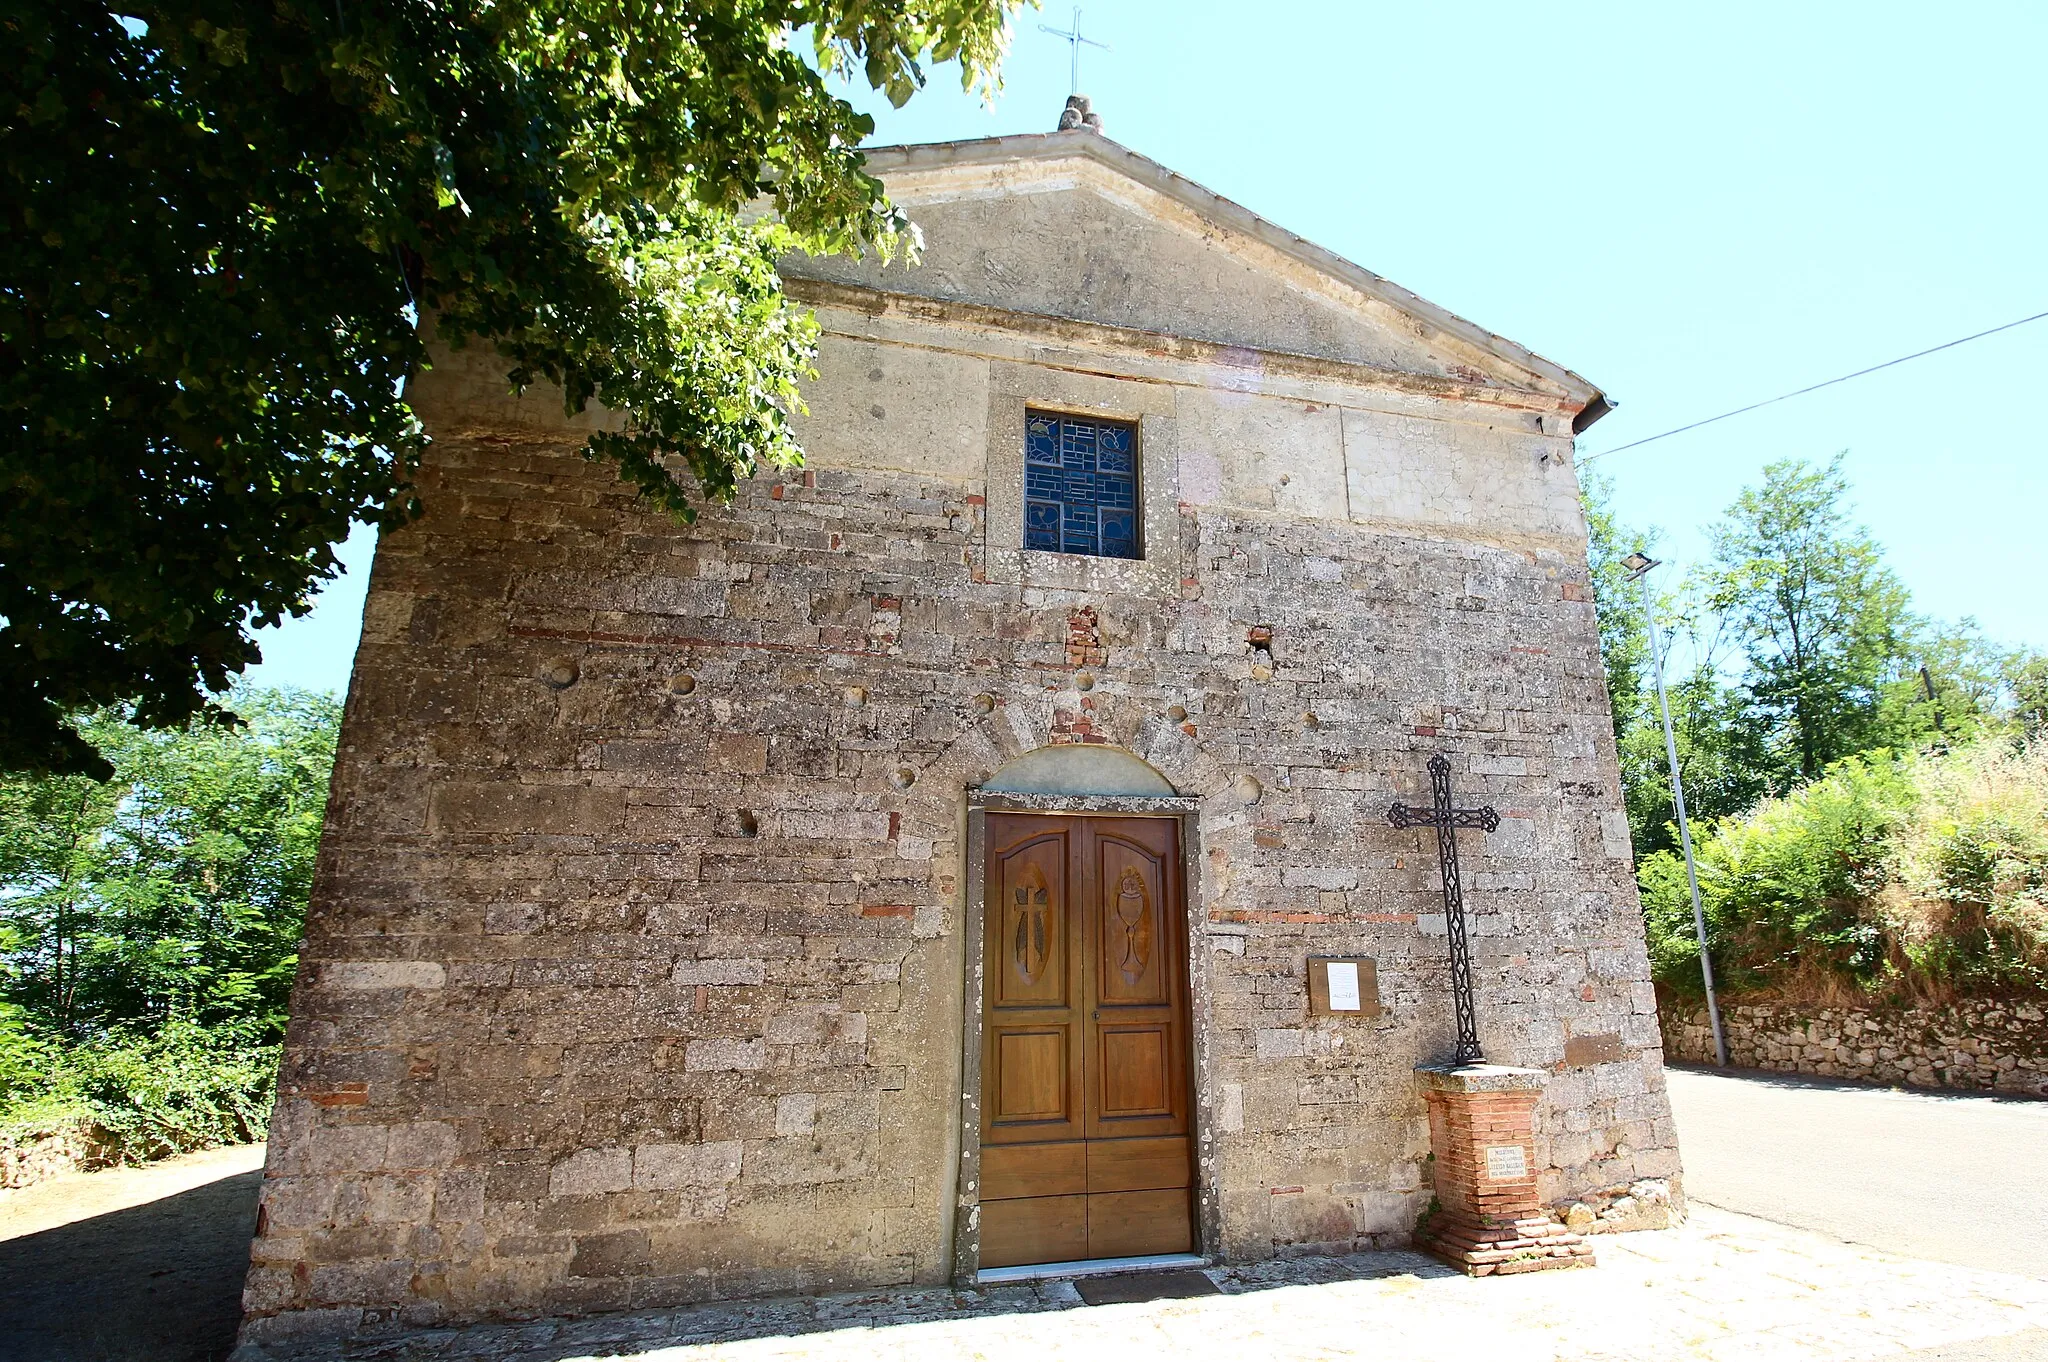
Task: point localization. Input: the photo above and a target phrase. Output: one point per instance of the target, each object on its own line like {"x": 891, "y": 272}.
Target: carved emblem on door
{"x": 1032, "y": 946}
{"x": 1133, "y": 915}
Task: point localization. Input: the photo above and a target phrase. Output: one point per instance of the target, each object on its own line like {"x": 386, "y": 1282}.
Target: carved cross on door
{"x": 1032, "y": 947}
{"x": 1447, "y": 820}
{"x": 1133, "y": 913}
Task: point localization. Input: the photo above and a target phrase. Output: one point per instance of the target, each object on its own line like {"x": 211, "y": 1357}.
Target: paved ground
{"x": 145, "y": 1266}
{"x": 1725, "y": 1288}
{"x": 1958, "y": 1178}
{"x": 129, "y": 1265}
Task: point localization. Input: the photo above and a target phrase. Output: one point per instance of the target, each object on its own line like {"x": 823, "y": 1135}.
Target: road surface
{"x": 1958, "y": 1178}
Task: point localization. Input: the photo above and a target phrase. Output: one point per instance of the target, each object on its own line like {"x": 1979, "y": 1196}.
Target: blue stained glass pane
{"x": 1042, "y": 525}
{"x": 1041, "y": 441}
{"x": 1119, "y": 534}
{"x": 1080, "y": 485}
{"x": 1047, "y": 484}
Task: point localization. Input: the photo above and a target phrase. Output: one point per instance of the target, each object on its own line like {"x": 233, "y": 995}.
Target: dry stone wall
{"x": 33, "y": 1156}
{"x": 634, "y": 967}
{"x": 1981, "y": 1045}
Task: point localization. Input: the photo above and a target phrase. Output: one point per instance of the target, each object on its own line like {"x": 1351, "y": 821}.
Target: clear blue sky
{"x": 1693, "y": 207}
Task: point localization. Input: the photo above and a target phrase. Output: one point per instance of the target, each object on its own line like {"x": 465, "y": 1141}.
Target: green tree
{"x": 2026, "y": 682}
{"x": 1789, "y": 888}
{"x": 175, "y": 891}
{"x": 1720, "y": 757}
{"x": 1617, "y": 602}
{"x": 1921, "y": 875}
{"x": 1822, "y": 621}
{"x": 1948, "y": 685}
{"x": 226, "y": 221}
{"x": 1717, "y": 753}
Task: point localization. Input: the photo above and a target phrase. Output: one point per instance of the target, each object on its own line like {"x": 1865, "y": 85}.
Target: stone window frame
{"x": 1014, "y": 388}
{"x": 965, "y": 1250}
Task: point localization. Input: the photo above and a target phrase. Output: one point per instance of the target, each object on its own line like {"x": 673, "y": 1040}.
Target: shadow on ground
{"x": 160, "y": 1282}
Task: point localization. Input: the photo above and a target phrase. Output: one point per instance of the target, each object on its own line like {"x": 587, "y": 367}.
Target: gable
{"x": 1071, "y": 225}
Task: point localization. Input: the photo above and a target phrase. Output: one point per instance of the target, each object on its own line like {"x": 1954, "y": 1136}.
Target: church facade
{"x": 929, "y": 866}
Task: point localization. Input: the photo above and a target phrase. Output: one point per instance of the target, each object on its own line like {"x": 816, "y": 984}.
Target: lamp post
{"x": 1639, "y": 565}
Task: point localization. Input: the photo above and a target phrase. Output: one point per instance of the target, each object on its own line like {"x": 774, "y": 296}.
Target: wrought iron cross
{"x": 1447, "y": 820}
{"x": 1075, "y": 40}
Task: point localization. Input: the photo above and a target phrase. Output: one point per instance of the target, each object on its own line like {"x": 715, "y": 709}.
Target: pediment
{"x": 1073, "y": 226}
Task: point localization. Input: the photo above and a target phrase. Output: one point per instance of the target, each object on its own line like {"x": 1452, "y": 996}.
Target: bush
{"x": 148, "y": 1096}
{"x": 1921, "y": 876}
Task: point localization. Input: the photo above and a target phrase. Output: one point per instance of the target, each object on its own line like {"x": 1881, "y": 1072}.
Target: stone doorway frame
{"x": 966, "y": 1246}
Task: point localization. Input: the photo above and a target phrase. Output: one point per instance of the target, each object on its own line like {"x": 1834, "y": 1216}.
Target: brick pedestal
{"x": 1482, "y": 1127}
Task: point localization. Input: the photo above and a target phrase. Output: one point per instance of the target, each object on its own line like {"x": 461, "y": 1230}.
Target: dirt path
{"x": 129, "y": 1265}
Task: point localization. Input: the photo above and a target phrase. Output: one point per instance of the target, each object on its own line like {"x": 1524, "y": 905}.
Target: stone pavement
{"x": 1723, "y": 1288}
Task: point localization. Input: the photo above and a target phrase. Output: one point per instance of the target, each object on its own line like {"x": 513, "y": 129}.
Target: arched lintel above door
{"x": 1073, "y": 769}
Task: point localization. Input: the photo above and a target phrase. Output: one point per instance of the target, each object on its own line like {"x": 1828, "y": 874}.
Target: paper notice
{"x": 1343, "y": 986}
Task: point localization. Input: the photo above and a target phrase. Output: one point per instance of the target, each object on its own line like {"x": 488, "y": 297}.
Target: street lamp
{"x": 1639, "y": 565}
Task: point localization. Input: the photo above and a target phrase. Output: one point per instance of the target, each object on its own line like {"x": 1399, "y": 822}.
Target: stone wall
{"x": 28, "y": 1157}
{"x": 1984, "y": 1045}
{"x": 634, "y": 967}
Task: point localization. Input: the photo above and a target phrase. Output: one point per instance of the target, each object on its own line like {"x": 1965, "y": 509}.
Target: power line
{"x": 1815, "y": 387}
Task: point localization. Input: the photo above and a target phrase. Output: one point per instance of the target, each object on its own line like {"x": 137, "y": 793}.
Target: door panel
{"x": 1134, "y": 1072}
{"x": 1014, "y": 1170}
{"x": 1033, "y": 942}
{"x": 1085, "y": 1149}
{"x": 1135, "y": 937}
{"x": 1134, "y": 1165}
{"x": 1039, "y": 1229}
{"x": 1031, "y": 1076}
{"x": 1032, "y": 1038}
{"x": 1137, "y": 1058}
{"x": 1126, "y": 1224}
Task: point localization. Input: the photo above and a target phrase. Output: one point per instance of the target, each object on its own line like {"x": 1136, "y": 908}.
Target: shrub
{"x": 1924, "y": 875}
{"x": 184, "y": 1087}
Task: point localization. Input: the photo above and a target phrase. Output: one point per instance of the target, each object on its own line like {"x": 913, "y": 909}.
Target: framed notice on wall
{"x": 1343, "y": 986}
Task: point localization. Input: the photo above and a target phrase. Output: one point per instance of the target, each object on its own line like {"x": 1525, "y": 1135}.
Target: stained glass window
{"x": 1080, "y": 485}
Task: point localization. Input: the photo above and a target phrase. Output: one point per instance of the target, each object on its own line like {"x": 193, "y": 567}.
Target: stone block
{"x": 719, "y": 972}
{"x": 358, "y": 975}
{"x": 1279, "y": 1044}
{"x": 591, "y": 1172}
{"x": 739, "y": 753}
{"x": 796, "y": 1113}
{"x": 514, "y": 808}
{"x": 1229, "y": 1108}
{"x": 663, "y": 1166}
{"x": 719, "y": 1054}
{"x": 344, "y": 1148}
{"x": 421, "y": 1145}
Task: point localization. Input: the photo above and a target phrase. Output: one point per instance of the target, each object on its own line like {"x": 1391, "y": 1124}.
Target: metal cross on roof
{"x": 1447, "y": 820}
{"x": 1074, "y": 40}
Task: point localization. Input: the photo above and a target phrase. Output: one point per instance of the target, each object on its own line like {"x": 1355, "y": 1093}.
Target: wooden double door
{"x": 1085, "y": 1149}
